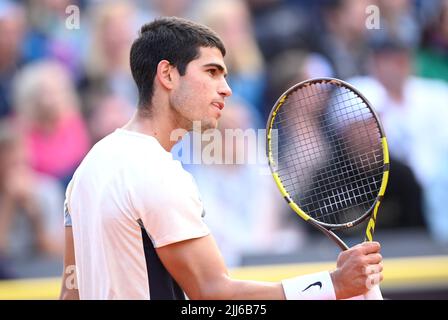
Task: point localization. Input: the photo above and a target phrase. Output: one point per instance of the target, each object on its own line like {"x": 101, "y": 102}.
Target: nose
{"x": 224, "y": 89}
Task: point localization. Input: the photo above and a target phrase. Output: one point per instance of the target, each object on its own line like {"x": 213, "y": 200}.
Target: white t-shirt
{"x": 128, "y": 197}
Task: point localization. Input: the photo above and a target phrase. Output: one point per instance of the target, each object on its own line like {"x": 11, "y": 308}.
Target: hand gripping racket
{"x": 329, "y": 157}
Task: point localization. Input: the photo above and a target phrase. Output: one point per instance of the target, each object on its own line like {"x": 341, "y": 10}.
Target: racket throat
{"x": 331, "y": 235}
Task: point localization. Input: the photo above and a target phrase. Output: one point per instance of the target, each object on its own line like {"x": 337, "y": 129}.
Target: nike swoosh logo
{"x": 318, "y": 283}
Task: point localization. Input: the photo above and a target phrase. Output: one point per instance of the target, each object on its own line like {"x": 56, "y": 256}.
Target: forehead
{"x": 209, "y": 56}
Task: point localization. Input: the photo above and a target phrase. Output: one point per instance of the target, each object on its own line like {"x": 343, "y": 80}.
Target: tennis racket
{"x": 328, "y": 155}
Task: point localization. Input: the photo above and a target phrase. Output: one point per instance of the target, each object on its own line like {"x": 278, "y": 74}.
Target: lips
{"x": 219, "y": 105}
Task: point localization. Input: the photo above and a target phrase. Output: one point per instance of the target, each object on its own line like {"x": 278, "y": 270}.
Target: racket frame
{"x": 372, "y": 212}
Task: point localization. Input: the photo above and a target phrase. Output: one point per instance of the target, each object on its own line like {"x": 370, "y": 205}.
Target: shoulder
{"x": 165, "y": 175}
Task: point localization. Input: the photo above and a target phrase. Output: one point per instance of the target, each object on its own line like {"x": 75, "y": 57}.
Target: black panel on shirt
{"x": 161, "y": 285}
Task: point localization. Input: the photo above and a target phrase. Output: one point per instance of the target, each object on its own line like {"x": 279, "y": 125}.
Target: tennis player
{"x": 133, "y": 216}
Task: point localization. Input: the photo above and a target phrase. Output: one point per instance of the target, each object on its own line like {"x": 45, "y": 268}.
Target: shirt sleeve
{"x": 169, "y": 205}
{"x": 67, "y": 216}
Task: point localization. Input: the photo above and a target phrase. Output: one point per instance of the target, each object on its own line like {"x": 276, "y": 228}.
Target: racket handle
{"x": 372, "y": 294}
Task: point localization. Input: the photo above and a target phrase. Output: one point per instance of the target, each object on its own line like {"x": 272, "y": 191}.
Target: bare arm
{"x": 69, "y": 289}
{"x": 199, "y": 268}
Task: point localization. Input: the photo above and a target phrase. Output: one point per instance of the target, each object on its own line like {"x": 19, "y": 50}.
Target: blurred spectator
{"x": 242, "y": 206}
{"x": 402, "y": 206}
{"x": 109, "y": 113}
{"x": 12, "y": 30}
{"x": 149, "y": 10}
{"x": 344, "y": 40}
{"x": 107, "y": 63}
{"x": 432, "y": 58}
{"x": 49, "y": 38}
{"x": 232, "y": 21}
{"x": 48, "y": 110}
{"x": 280, "y": 25}
{"x": 290, "y": 68}
{"x": 169, "y": 8}
{"x": 397, "y": 20}
{"x": 414, "y": 112}
{"x": 30, "y": 203}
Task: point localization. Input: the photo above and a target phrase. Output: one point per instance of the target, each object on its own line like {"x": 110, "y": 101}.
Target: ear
{"x": 165, "y": 74}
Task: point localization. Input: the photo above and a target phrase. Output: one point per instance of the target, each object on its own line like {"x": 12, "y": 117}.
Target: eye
{"x": 212, "y": 71}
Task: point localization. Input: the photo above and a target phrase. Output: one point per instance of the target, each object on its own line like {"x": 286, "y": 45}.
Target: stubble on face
{"x": 190, "y": 113}
{"x": 200, "y": 92}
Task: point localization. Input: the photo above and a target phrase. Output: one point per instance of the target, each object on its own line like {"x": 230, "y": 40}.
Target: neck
{"x": 167, "y": 132}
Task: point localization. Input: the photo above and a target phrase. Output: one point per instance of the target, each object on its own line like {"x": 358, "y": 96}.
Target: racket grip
{"x": 372, "y": 294}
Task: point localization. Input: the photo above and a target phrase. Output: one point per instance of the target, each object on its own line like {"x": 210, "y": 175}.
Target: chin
{"x": 204, "y": 125}
{"x": 210, "y": 123}
{"x": 209, "y": 126}
{"x": 214, "y": 125}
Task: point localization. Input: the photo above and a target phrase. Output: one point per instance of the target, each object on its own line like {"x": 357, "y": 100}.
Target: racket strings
{"x": 330, "y": 154}
{"x": 338, "y": 174}
{"x": 332, "y": 184}
{"x": 310, "y": 143}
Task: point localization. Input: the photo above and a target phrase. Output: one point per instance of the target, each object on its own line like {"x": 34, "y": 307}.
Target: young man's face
{"x": 199, "y": 94}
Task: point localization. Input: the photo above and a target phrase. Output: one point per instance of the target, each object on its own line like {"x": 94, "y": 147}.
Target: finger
{"x": 370, "y": 247}
{"x": 373, "y": 268}
{"x": 374, "y": 258}
{"x": 373, "y": 280}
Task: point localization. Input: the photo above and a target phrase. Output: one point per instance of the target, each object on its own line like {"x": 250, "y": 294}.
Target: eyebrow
{"x": 218, "y": 66}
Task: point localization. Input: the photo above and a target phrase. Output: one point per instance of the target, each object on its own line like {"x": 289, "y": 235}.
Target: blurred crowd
{"x": 65, "y": 83}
